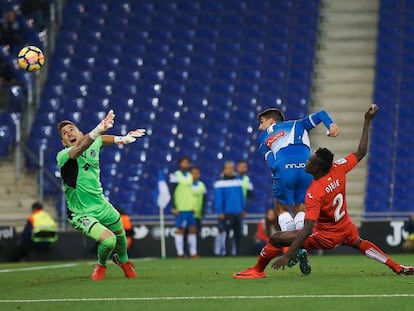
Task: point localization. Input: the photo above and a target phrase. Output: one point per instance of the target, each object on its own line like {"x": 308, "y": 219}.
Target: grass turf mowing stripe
{"x": 67, "y": 265}
{"x": 201, "y": 298}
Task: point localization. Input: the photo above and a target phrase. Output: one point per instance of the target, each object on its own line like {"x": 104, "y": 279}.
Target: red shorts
{"x": 324, "y": 239}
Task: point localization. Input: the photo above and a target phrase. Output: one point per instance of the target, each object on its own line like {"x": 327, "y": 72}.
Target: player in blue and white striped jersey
{"x": 285, "y": 145}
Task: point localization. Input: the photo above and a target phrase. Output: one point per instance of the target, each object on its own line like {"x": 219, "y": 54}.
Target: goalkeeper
{"x": 88, "y": 210}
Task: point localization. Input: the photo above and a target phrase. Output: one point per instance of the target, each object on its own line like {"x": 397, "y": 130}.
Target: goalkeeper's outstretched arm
{"x": 123, "y": 140}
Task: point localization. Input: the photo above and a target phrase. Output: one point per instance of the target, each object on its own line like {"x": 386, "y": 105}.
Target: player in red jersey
{"x": 327, "y": 223}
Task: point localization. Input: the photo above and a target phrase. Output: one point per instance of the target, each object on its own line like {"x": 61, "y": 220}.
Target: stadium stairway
{"x": 17, "y": 195}
{"x": 343, "y": 81}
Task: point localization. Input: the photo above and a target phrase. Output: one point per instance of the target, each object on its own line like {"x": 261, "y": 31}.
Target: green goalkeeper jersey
{"x": 81, "y": 179}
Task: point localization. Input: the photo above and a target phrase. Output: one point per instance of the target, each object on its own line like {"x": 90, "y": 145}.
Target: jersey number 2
{"x": 337, "y": 203}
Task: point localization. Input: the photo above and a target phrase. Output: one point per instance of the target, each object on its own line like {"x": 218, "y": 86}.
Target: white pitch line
{"x": 67, "y": 265}
{"x": 201, "y": 298}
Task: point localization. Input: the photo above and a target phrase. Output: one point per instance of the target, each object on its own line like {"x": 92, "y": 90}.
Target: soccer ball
{"x": 30, "y": 58}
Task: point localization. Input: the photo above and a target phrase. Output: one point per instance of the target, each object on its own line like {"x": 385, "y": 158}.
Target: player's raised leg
{"x": 107, "y": 242}
{"x": 372, "y": 251}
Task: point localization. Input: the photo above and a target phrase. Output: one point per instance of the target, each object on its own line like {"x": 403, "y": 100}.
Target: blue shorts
{"x": 184, "y": 220}
{"x": 290, "y": 181}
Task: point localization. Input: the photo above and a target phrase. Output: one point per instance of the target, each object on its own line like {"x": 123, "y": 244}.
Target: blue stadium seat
{"x": 226, "y": 60}
{"x": 74, "y": 116}
{"x": 205, "y": 47}
{"x": 6, "y": 139}
{"x": 68, "y": 37}
{"x": 206, "y": 33}
{"x": 222, "y": 87}
{"x": 188, "y": 7}
{"x": 46, "y": 118}
{"x": 83, "y": 63}
{"x": 51, "y": 104}
{"x": 251, "y": 60}
{"x": 247, "y": 87}
{"x": 186, "y": 21}
{"x": 252, "y": 74}
{"x": 228, "y": 45}
{"x": 17, "y": 98}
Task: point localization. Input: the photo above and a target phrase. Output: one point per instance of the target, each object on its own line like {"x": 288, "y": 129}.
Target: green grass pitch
{"x": 348, "y": 282}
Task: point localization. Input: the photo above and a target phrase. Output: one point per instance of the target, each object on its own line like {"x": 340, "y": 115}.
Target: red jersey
{"x": 325, "y": 199}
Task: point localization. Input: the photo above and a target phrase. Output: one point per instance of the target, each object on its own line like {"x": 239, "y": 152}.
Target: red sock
{"x": 372, "y": 251}
{"x": 267, "y": 253}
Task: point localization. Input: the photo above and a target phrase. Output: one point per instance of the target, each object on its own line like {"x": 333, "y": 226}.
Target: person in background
{"x": 39, "y": 233}
{"x": 12, "y": 30}
{"x": 7, "y": 80}
{"x": 242, "y": 168}
{"x": 408, "y": 245}
{"x": 200, "y": 192}
{"x": 229, "y": 203}
{"x": 181, "y": 189}
{"x": 265, "y": 228}
{"x": 7, "y": 74}
{"x": 128, "y": 227}
{"x": 39, "y": 10}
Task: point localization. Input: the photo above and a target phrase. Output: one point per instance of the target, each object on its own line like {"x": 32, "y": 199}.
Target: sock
{"x": 267, "y": 253}
{"x": 192, "y": 243}
{"x": 223, "y": 248}
{"x": 121, "y": 247}
{"x": 286, "y": 222}
{"x": 105, "y": 248}
{"x": 179, "y": 244}
{"x": 217, "y": 245}
{"x": 220, "y": 244}
{"x": 372, "y": 251}
{"x": 299, "y": 220}
{"x": 233, "y": 247}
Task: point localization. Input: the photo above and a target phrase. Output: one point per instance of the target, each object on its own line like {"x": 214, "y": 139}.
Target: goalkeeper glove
{"x": 130, "y": 137}
{"x": 105, "y": 124}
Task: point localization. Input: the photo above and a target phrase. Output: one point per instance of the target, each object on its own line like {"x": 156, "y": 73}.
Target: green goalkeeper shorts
{"x": 107, "y": 216}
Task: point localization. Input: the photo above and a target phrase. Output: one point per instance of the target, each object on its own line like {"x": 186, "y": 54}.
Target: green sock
{"x": 103, "y": 254}
{"x": 106, "y": 246}
{"x": 121, "y": 247}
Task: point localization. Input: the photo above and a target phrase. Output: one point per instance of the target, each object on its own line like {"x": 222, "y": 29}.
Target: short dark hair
{"x": 325, "y": 157}
{"x": 195, "y": 167}
{"x": 272, "y": 113}
{"x": 37, "y": 205}
{"x": 183, "y": 158}
{"x": 64, "y": 123}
